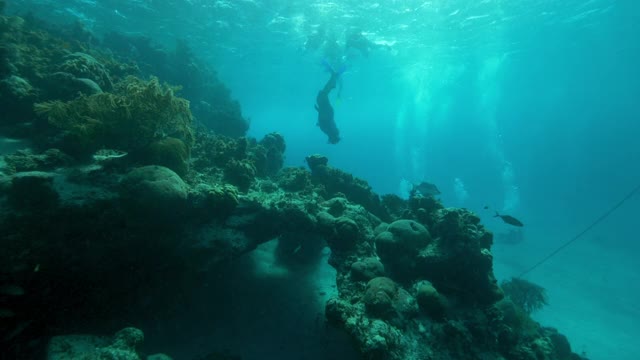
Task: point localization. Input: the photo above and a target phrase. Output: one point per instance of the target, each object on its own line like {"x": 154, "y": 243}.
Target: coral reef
{"x": 430, "y": 300}
{"x": 336, "y": 182}
{"x": 169, "y": 152}
{"x": 68, "y": 87}
{"x": 406, "y": 289}
{"x": 398, "y": 245}
{"x": 17, "y": 96}
{"x": 134, "y": 116}
{"x": 121, "y": 346}
{"x": 527, "y": 295}
{"x": 212, "y": 105}
{"x": 213, "y": 201}
{"x": 33, "y": 192}
{"x": 380, "y": 297}
{"x": 237, "y": 161}
{"x": 122, "y": 198}
{"x": 240, "y": 173}
{"x": 269, "y": 154}
{"x": 367, "y": 269}
{"x": 54, "y": 67}
{"x": 295, "y": 179}
{"x": 26, "y": 160}
{"x": 85, "y": 66}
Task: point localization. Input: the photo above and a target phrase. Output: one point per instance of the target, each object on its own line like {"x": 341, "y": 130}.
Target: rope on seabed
{"x": 587, "y": 229}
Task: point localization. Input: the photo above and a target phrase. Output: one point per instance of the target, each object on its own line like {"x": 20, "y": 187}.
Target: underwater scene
{"x": 317, "y": 179}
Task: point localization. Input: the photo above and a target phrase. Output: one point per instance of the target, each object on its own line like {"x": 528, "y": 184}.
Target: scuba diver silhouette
{"x": 323, "y": 106}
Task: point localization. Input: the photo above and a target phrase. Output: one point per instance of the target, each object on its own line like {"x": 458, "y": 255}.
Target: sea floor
{"x": 592, "y": 288}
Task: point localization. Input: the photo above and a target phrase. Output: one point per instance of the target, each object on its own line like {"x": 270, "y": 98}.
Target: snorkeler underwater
{"x": 326, "y": 120}
{"x": 288, "y": 179}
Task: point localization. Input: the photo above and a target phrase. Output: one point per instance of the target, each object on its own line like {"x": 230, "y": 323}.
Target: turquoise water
{"x": 529, "y": 107}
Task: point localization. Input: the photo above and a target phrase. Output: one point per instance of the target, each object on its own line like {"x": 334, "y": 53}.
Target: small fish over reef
{"x": 425, "y": 189}
{"x": 106, "y": 154}
{"x": 509, "y": 220}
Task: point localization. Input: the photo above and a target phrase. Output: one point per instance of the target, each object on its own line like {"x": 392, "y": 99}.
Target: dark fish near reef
{"x": 509, "y": 220}
{"x": 425, "y": 189}
{"x": 324, "y": 108}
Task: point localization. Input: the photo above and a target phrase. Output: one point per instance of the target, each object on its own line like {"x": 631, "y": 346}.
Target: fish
{"x": 425, "y": 189}
{"x": 509, "y": 220}
{"x": 106, "y": 154}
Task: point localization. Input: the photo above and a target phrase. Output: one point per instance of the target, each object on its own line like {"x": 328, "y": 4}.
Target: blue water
{"x": 529, "y": 107}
